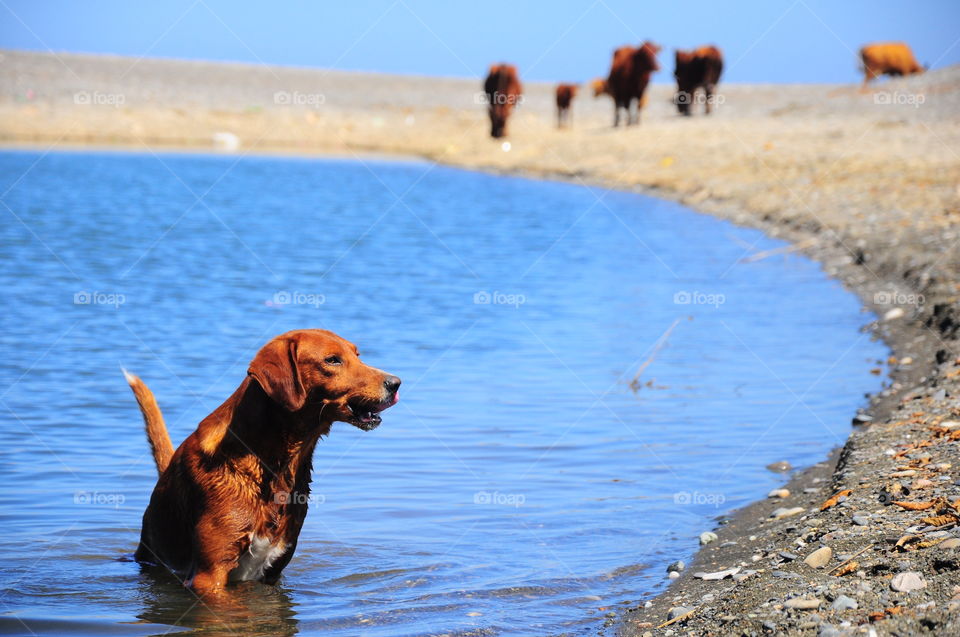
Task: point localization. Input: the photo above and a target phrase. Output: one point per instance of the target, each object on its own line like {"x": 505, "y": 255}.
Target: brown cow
{"x": 629, "y": 76}
{"x": 503, "y": 90}
{"x": 888, "y": 58}
{"x": 697, "y": 69}
{"x": 600, "y": 87}
{"x": 565, "y": 95}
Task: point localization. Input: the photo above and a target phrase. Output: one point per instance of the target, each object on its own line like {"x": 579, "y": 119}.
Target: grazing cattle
{"x": 565, "y": 95}
{"x": 694, "y": 70}
{"x": 503, "y": 90}
{"x": 600, "y": 87}
{"x": 888, "y": 58}
{"x": 628, "y": 79}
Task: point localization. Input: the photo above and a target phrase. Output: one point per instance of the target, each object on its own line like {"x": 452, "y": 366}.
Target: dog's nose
{"x": 392, "y": 384}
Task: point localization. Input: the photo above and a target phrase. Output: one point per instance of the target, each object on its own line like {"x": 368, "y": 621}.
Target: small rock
{"x": 952, "y": 543}
{"x": 787, "y": 555}
{"x": 803, "y": 603}
{"x": 860, "y": 520}
{"x": 781, "y": 513}
{"x": 862, "y": 419}
{"x": 819, "y": 558}
{"x": 827, "y": 630}
{"x": 786, "y": 575}
{"x": 895, "y": 313}
{"x": 673, "y": 575}
{"x": 906, "y": 582}
{"x": 769, "y": 625}
{"x": 780, "y": 467}
{"x": 677, "y": 611}
{"x": 676, "y": 566}
{"x": 844, "y": 603}
{"x": 717, "y": 575}
{"x": 922, "y": 483}
{"x": 739, "y": 577}
{"x": 707, "y": 537}
{"x": 779, "y": 493}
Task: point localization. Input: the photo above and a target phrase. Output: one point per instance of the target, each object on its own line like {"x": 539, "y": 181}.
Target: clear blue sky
{"x": 763, "y": 40}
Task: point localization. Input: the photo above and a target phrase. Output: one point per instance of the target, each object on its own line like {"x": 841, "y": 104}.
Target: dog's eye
{"x": 333, "y": 360}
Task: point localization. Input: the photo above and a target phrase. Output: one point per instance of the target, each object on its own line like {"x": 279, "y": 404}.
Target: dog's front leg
{"x": 215, "y": 555}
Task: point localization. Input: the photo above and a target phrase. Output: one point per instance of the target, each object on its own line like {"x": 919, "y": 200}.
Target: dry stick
{"x": 850, "y": 559}
{"x": 656, "y": 348}
{"x": 800, "y": 245}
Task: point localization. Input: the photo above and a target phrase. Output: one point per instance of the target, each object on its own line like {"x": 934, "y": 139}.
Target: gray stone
{"x": 819, "y": 558}
{"x": 787, "y": 555}
{"x": 786, "y": 575}
{"x": 861, "y": 520}
{"x": 676, "y": 566}
{"x": 678, "y": 611}
{"x": 717, "y": 575}
{"x": 844, "y": 603}
{"x": 952, "y": 543}
{"x": 779, "y": 514}
{"x": 802, "y": 603}
{"x": 707, "y": 537}
{"x": 673, "y": 575}
{"x": 780, "y": 467}
{"x": 906, "y": 582}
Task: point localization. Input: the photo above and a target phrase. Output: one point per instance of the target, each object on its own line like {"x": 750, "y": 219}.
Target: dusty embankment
{"x": 866, "y": 182}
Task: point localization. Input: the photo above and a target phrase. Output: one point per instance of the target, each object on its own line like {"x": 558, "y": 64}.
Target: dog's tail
{"x": 153, "y": 420}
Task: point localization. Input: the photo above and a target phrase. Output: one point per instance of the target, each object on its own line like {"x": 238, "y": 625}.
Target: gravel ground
{"x": 864, "y": 181}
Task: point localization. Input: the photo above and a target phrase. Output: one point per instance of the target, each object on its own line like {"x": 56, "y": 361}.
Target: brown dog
{"x": 230, "y": 501}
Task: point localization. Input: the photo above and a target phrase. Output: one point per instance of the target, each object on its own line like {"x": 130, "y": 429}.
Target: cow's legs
{"x": 707, "y": 97}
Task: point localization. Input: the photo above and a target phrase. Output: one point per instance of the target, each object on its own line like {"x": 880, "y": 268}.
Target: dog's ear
{"x": 275, "y": 368}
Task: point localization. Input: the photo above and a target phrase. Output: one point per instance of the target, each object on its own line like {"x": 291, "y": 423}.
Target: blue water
{"x": 524, "y": 484}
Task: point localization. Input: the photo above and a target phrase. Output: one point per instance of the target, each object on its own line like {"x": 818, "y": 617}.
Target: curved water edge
{"x": 548, "y": 487}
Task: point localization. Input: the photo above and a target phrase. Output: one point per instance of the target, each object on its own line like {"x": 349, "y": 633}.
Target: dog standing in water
{"x": 232, "y": 498}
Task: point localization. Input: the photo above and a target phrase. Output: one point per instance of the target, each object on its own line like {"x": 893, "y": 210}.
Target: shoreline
{"x": 882, "y": 218}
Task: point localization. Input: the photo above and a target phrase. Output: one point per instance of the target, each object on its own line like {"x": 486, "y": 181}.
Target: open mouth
{"x": 366, "y": 414}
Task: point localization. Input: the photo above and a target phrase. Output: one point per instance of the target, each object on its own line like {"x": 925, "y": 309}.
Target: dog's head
{"x": 307, "y": 368}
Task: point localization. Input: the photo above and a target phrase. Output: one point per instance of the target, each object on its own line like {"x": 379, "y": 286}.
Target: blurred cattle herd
{"x": 697, "y": 73}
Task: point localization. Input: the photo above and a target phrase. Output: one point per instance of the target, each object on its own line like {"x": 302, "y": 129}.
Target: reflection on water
{"x": 590, "y": 377}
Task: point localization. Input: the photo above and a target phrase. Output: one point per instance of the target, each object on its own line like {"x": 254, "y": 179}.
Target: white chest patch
{"x": 258, "y": 558}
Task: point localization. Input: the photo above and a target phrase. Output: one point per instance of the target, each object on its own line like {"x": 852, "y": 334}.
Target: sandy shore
{"x": 867, "y": 182}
